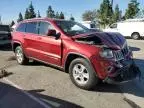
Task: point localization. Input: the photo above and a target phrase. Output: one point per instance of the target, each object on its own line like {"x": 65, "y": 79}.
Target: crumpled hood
{"x": 112, "y": 40}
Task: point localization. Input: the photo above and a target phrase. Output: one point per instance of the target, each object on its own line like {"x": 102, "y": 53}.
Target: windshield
{"x": 72, "y": 28}
{"x": 4, "y": 28}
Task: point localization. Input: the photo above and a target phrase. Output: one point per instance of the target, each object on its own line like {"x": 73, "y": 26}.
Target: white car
{"x": 133, "y": 28}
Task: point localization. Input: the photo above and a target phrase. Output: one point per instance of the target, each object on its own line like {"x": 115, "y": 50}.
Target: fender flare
{"x": 81, "y": 55}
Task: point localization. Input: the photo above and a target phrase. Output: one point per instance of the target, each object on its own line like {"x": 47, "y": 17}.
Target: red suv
{"x": 86, "y": 55}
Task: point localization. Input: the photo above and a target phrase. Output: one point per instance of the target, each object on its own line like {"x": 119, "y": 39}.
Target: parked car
{"x": 93, "y": 26}
{"x": 87, "y": 56}
{"x": 5, "y": 35}
{"x": 130, "y": 28}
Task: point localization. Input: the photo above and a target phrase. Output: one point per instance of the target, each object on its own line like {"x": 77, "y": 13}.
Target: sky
{"x": 9, "y": 9}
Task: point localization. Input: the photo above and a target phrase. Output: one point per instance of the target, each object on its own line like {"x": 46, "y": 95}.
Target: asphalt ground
{"x": 39, "y": 86}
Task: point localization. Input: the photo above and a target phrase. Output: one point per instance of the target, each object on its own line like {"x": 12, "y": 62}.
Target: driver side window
{"x": 44, "y": 27}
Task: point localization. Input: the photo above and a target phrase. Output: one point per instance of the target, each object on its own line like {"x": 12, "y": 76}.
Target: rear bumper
{"x": 124, "y": 74}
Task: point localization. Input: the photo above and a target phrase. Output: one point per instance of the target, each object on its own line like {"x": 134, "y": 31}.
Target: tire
{"x": 87, "y": 78}
{"x": 20, "y": 57}
{"x": 135, "y": 36}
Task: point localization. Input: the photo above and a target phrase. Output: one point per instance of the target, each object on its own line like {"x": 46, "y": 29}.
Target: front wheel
{"x": 20, "y": 57}
{"x": 82, "y": 74}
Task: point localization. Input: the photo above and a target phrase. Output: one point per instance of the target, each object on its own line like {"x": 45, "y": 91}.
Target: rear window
{"x": 4, "y": 28}
{"x": 21, "y": 27}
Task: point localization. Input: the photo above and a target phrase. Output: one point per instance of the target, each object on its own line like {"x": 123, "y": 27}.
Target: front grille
{"x": 119, "y": 55}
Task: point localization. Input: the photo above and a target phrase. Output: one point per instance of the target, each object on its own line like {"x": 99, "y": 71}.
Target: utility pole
{"x": 112, "y": 3}
{"x": 0, "y": 20}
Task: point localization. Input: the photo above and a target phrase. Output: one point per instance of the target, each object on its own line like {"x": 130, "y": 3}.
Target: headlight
{"x": 107, "y": 53}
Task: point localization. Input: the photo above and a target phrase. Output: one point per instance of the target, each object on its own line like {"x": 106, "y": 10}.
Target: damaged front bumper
{"x": 128, "y": 72}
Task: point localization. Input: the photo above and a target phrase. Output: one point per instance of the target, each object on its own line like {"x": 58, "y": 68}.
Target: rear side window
{"x": 113, "y": 26}
{"x": 31, "y": 27}
{"x": 43, "y": 28}
{"x": 21, "y": 27}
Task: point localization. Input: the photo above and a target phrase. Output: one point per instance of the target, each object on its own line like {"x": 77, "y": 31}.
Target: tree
{"x": 27, "y": 14}
{"x": 38, "y": 14}
{"x": 133, "y": 9}
{"x": 72, "y": 18}
{"x": 20, "y": 17}
{"x": 57, "y": 15}
{"x": 140, "y": 14}
{"x": 50, "y": 12}
{"x": 117, "y": 14}
{"x": 62, "y": 16}
{"x": 12, "y": 23}
{"x": 105, "y": 13}
{"x": 32, "y": 13}
{"x": 89, "y": 15}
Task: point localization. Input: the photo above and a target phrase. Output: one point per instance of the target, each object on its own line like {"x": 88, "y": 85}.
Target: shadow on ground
{"x": 13, "y": 97}
{"x": 6, "y": 47}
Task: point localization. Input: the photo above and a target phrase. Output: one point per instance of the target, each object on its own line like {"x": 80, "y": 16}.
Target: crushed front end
{"x": 128, "y": 71}
{"x": 113, "y": 61}
{"x": 122, "y": 67}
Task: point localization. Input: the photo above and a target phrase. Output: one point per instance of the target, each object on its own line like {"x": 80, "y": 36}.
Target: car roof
{"x": 3, "y": 25}
{"x": 43, "y": 19}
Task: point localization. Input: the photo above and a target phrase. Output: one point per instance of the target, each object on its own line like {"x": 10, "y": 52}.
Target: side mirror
{"x": 51, "y": 32}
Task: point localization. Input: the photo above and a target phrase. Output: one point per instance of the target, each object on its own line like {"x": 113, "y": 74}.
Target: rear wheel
{"x": 82, "y": 74}
{"x": 20, "y": 57}
{"x": 135, "y": 36}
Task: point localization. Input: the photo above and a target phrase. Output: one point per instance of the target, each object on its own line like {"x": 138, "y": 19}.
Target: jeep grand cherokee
{"x": 87, "y": 56}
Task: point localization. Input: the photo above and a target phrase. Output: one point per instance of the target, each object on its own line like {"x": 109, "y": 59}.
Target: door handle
{"x": 39, "y": 38}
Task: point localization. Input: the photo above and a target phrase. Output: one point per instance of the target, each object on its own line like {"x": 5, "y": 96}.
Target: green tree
{"x": 20, "y": 17}
{"x": 117, "y": 14}
{"x": 12, "y": 23}
{"x": 105, "y": 13}
{"x": 133, "y": 9}
{"x": 89, "y": 15}
{"x": 38, "y": 14}
{"x": 27, "y": 14}
{"x": 62, "y": 16}
{"x": 140, "y": 14}
{"x": 72, "y": 18}
{"x": 50, "y": 12}
{"x": 57, "y": 15}
{"x": 32, "y": 13}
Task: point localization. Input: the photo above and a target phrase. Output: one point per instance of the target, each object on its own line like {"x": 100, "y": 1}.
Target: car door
{"x": 30, "y": 39}
{"x": 48, "y": 47}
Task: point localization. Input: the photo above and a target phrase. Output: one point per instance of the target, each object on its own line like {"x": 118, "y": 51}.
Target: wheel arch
{"x": 70, "y": 57}
{"x": 15, "y": 44}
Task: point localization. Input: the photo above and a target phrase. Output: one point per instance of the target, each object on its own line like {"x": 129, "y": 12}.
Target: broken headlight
{"x": 107, "y": 53}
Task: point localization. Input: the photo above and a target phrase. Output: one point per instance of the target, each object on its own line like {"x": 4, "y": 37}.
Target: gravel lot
{"x": 54, "y": 88}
